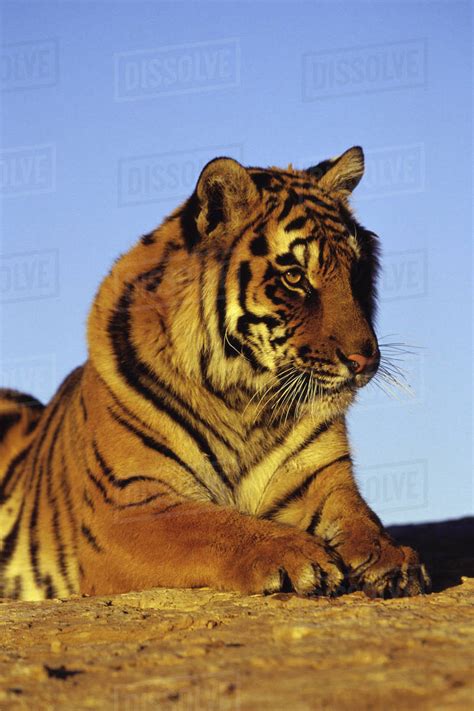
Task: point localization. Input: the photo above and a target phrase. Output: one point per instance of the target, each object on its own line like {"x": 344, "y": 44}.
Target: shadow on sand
{"x": 447, "y": 548}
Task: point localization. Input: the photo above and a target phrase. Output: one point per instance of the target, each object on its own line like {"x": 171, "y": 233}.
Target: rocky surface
{"x": 198, "y": 649}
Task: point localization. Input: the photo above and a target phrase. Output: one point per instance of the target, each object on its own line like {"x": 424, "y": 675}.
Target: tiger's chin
{"x": 330, "y": 405}
{"x": 307, "y": 396}
{"x": 360, "y": 381}
{"x": 334, "y": 400}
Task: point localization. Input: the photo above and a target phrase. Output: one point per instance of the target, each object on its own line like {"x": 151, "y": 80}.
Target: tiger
{"x": 204, "y": 442}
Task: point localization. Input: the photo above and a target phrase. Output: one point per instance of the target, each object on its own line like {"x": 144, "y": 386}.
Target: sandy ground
{"x": 198, "y": 649}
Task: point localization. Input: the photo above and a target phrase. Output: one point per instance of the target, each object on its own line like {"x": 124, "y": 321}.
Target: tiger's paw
{"x": 293, "y": 562}
{"x": 390, "y": 571}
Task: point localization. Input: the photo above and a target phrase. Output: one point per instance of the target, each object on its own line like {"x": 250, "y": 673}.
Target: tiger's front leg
{"x": 373, "y": 561}
{"x": 191, "y": 544}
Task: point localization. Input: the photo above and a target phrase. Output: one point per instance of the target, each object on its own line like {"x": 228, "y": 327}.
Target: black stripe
{"x": 147, "y": 440}
{"x": 206, "y": 381}
{"x": 151, "y": 443}
{"x": 297, "y": 224}
{"x": 259, "y": 246}
{"x": 302, "y": 185}
{"x": 244, "y": 277}
{"x": 32, "y": 424}
{"x": 148, "y": 239}
{"x": 154, "y": 276}
{"x": 83, "y": 407}
{"x": 304, "y": 241}
{"x": 280, "y": 341}
{"x": 302, "y": 488}
{"x": 289, "y": 203}
{"x": 245, "y": 350}
{"x": 243, "y": 323}
{"x": 264, "y": 181}
{"x": 322, "y": 245}
{"x": 20, "y": 398}
{"x": 144, "y": 502}
{"x": 50, "y": 590}
{"x": 270, "y": 293}
{"x": 317, "y": 201}
{"x": 66, "y": 489}
{"x": 316, "y": 518}
{"x": 49, "y": 459}
{"x": 287, "y": 260}
{"x": 61, "y": 556}
{"x": 221, "y": 302}
{"x": 87, "y": 500}
{"x": 188, "y": 221}
{"x": 107, "y": 471}
{"x": 135, "y": 372}
{"x": 315, "y": 434}
{"x": 10, "y": 541}
{"x": 231, "y": 344}
{"x": 7, "y": 421}
{"x": 18, "y": 459}
{"x": 62, "y": 394}
{"x": 36, "y": 468}
{"x": 91, "y": 539}
{"x": 34, "y": 545}
{"x": 98, "y": 484}
{"x": 319, "y": 430}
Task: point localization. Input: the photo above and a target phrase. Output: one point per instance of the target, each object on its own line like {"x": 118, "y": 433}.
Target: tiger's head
{"x": 263, "y": 277}
{"x": 296, "y": 277}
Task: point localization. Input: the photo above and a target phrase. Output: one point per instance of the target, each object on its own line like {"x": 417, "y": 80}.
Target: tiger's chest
{"x": 273, "y": 463}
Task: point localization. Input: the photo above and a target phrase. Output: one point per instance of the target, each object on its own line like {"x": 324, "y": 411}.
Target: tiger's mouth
{"x": 305, "y": 385}
{"x": 313, "y": 382}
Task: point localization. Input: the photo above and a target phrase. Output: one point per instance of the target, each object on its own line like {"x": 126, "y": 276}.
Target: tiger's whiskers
{"x": 391, "y": 377}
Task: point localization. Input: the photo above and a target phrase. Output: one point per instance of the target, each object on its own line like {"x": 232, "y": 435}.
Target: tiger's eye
{"x": 293, "y": 276}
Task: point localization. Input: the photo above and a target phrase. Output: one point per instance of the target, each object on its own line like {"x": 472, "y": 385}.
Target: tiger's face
{"x": 297, "y": 272}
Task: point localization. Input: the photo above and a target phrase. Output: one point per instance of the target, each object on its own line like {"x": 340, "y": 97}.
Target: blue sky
{"x": 109, "y": 109}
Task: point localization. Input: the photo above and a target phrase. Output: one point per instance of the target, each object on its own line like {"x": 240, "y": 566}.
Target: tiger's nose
{"x": 359, "y": 363}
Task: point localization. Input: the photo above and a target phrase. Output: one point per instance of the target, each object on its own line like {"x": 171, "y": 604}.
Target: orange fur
{"x": 204, "y": 441}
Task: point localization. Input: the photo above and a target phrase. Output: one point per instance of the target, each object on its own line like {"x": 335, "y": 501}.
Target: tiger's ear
{"x": 226, "y": 193}
{"x": 341, "y": 174}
